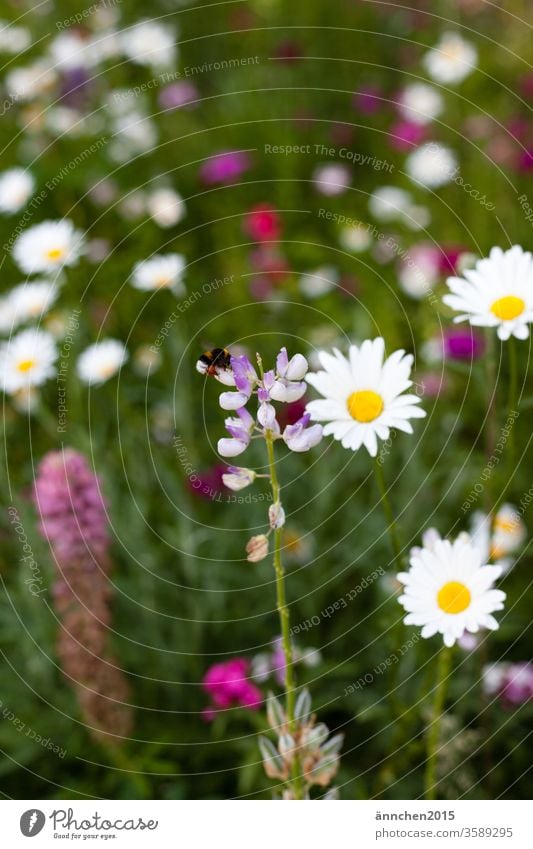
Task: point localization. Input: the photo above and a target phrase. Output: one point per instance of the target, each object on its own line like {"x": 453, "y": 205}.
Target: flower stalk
{"x": 392, "y": 527}
{"x": 443, "y": 674}
{"x": 284, "y": 616}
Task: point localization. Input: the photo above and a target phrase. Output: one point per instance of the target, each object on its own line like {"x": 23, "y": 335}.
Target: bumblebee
{"x": 215, "y": 363}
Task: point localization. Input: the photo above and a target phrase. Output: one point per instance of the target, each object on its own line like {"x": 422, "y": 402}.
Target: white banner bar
{"x": 268, "y": 825}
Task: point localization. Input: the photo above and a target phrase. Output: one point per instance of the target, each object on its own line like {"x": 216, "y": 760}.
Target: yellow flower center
{"x": 365, "y": 405}
{"x": 508, "y": 307}
{"x": 507, "y": 525}
{"x": 107, "y": 369}
{"x": 162, "y": 282}
{"x": 55, "y": 253}
{"x": 453, "y": 597}
{"x": 451, "y": 51}
{"x": 26, "y": 365}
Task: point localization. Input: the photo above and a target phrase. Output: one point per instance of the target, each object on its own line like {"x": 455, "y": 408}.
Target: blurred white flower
{"x": 451, "y": 60}
{"x": 48, "y": 247}
{"x": 30, "y": 82}
{"x": 70, "y": 50}
{"x": 101, "y": 361}
{"x": 16, "y": 188}
{"x": 27, "y": 360}
{"x": 419, "y": 270}
{"x": 133, "y": 205}
{"x": 133, "y": 133}
{"x": 432, "y": 165}
{"x": 64, "y": 121}
{"x": 13, "y": 39}
{"x": 319, "y": 282}
{"x": 500, "y": 536}
{"x": 498, "y": 292}
{"x": 7, "y": 315}
{"x": 355, "y": 238}
{"x": 150, "y": 43}
{"x": 162, "y": 271}
{"x": 389, "y": 203}
{"x": 420, "y": 103}
{"x": 30, "y": 301}
{"x": 166, "y": 207}
{"x": 331, "y": 179}
{"x": 146, "y": 360}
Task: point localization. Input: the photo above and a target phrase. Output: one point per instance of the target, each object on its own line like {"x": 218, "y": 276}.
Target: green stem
{"x": 491, "y": 414}
{"x": 284, "y": 616}
{"x": 443, "y": 674}
{"x": 513, "y": 396}
{"x": 389, "y": 515}
{"x": 122, "y": 762}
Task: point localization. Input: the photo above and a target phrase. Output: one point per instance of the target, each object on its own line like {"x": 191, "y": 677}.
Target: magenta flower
{"x": 262, "y": 223}
{"x": 207, "y": 484}
{"x": 368, "y": 100}
{"x": 462, "y": 344}
{"x": 517, "y": 686}
{"x": 405, "y": 135}
{"x": 513, "y": 682}
{"x": 525, "y": 160}
{"x": 449, "y": 258}
{"x": 225, "y": 167}
{"x": 267, "y": 260}
{"x": 228, "y": 685}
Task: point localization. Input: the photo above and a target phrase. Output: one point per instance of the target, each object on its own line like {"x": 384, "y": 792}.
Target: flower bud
{"x": 237, "y": 478}
{"x": 276, "y": 515}
{"x": 257, "y": 548}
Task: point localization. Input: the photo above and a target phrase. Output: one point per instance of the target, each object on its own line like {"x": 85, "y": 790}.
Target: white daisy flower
{"x": 48, "y": 247}
{"x": 499, "y": 536}
{"x": 448, "y": 590}
{"x": 420, "y": 103}
{"x": 363, "y": 396}
{"x": 432, "y": 165}
{"x": 27, "y": 360}
{"x": 451, "y": 60}
{"x": 31, "y": 300}
{"x": 497, "y": 292}
{"x": 101, "y": 361}
{"x": 16, "y": 188}
{"x": 149, "y": 43}
{"x": 162, "y": 271}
